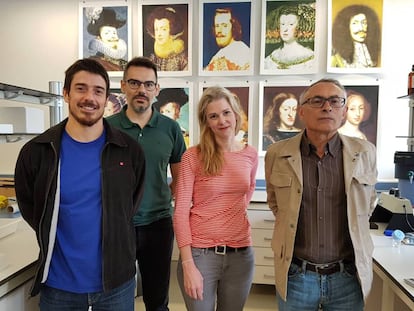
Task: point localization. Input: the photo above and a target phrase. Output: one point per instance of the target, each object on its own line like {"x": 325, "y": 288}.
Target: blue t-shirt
{"x": 76, "y": 264}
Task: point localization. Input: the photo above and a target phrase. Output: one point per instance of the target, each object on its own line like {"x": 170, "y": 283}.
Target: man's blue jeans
{"x": 121, "y": 298}
{"x": 307, "y": 291}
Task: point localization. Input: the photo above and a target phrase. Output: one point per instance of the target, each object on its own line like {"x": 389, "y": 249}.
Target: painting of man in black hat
{"x": 105, "y": 36}
{"x": 173, "y": 103}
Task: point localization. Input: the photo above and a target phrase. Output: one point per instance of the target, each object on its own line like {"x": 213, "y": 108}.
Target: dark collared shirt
{"x": 322, "y": 235}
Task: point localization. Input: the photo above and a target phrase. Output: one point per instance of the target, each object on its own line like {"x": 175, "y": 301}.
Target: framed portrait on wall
{"x": 278, "y": 119}
{"x": 226, "y": 42}
{"x": 166, "y": 35}
{"x": 289, "y": 41}
{"x": 105, "y": 33}
{"x": 242, "y": 90}
{"x": 362, "y": 115}
{"x": 116, "y": 100}
{"x": 175, "y": 100}
{"x": 354, "y": 36}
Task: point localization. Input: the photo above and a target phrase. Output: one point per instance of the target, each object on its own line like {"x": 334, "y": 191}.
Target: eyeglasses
{"x": 319, "y": 101}
{"x": 136, "y": 84}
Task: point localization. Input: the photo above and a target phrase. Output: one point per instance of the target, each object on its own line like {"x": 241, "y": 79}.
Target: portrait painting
{"x": 104, "y": 34}
{"x": 289, "y": 38}
{"x": 354, "y": 36}
{"x": 175, "y": 101}
{"x": 116, "y": 100}
{"x": 362, "y": 114}
{"x": 166, "y": 36}
{"x": 278, "y": 118}
{"x": 226, "y": 38}
{"x": 243, "y": 94}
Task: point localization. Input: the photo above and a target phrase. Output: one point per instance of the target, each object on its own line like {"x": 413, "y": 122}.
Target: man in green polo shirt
{"x": 163, "y": 144}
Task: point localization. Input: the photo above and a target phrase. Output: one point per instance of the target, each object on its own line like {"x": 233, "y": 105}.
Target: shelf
{"x": 20, "y": 134}
{"x": 53, "y": 101}
{"x": 411, "y": 96}
{"x": 12, "y": 92}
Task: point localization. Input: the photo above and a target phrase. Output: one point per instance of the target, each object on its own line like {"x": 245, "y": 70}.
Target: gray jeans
{"x": 226, "y": 279}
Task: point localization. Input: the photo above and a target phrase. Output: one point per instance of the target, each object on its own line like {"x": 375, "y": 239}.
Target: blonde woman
{"x": 216, "y": 181}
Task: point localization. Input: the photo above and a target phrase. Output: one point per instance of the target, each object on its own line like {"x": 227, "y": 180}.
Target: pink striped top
{"x": 212, "y": 210}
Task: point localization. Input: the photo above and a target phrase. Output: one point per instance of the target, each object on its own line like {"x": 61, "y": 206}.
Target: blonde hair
{"x": 211, "y": 155}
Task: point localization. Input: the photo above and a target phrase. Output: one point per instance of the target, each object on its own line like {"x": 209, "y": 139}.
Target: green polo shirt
{"x": 163, "y": 143}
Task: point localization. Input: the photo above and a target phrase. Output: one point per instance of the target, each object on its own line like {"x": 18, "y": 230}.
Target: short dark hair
{"x": 141, "y": 62}
{"x": 89, "y": 65}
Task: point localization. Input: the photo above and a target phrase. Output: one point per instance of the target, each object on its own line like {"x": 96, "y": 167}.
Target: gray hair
{"x": 323, "y": 80}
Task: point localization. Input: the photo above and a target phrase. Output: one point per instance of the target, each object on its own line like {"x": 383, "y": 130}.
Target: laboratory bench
{"x": 18, "y": 255}
{"x": 391, "y": 266}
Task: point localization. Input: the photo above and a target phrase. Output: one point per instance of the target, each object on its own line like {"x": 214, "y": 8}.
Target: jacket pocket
{"x": 366, "y": 180}
{"x": 282, "y": 187}
{"x": 280, "y": 180}
{"x": 363, "y": 192}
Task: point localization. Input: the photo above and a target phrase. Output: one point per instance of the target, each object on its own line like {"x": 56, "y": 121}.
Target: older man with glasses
{"x": 321, "y": 188}
{"x": 163, "y": 145}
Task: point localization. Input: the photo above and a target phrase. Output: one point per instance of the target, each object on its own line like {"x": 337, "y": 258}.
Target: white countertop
{"x": 397, "y": 263}
{"x": 20, "y": 251}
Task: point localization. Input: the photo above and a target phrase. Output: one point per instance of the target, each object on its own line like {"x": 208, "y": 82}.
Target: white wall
{"x": 40, "y": 40}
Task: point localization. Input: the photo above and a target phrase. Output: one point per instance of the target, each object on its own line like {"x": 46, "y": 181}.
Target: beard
{"x": 88, "y": 120}
{"x": 137, "y": 103}
{"x": 140, "y": 109}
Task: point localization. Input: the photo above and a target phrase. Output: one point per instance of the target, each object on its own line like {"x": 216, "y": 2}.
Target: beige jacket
{"x": 284, "y": 186}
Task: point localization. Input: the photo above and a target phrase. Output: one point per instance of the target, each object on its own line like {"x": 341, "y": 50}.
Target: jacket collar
{"x": 54, "y": 134}
{"x": 352, "y": 149}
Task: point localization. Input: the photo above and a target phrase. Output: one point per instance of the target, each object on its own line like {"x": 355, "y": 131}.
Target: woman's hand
{"x": 193, "y": 280}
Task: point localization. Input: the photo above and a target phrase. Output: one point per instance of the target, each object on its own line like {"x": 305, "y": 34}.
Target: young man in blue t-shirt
{"x": 78, "y": 186}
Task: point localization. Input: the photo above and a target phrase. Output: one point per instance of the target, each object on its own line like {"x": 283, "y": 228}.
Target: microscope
{"x": 395, "y": 207}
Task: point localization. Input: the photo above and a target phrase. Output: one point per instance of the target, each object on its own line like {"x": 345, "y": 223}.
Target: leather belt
{"x": 323, "y": 269}
{"x": 223, "y": 249}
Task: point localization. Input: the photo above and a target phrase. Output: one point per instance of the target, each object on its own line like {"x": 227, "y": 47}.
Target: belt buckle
{"x": 220, "y": 249}
{"x": 319, "y": 268}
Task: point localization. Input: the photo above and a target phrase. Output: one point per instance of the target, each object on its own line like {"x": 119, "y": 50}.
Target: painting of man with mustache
{"x": 356, "y": 38}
